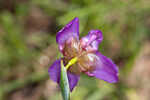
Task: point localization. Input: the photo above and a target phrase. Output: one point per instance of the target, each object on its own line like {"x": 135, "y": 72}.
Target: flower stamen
{"x": 71, "y": 62}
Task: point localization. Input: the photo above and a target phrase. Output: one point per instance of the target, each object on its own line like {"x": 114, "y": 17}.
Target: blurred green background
{"x": 28, "y": 47}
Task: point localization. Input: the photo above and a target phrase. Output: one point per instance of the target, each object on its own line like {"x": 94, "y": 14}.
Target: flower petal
{"x": 54, "y": 71}
{"x": 105, "y": 69}
{"x": 73, "y": 80}
{"x": 92, "y": 40}
{"x": 67, "y": 32}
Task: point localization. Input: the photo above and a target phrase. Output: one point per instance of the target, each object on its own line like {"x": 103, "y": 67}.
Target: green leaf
{"x": 64, "y": 84}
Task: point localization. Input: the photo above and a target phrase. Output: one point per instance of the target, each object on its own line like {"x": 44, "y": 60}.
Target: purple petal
{"x": 54, "y": 71}
{"x": 71, "y": 30}
{"x": 73, "y": 80}
{"x": 92, "y": 40}
{"x": 105, "y": 69}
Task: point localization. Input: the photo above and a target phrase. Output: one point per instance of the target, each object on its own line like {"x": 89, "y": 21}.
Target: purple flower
{"x": 88, "y": 59}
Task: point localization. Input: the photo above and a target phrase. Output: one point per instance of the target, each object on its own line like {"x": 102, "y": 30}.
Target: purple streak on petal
{"x": 92, "y": 40}
{"x": 54, "y": 71}
{"x": 73, "y": 80}
{"x": 89, "y": 74}
{"x": 69, "y": 31}
{"x": 105, "y": 69}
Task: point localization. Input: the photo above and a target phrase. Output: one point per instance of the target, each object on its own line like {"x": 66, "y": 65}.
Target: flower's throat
{"x": 71, "y": 62}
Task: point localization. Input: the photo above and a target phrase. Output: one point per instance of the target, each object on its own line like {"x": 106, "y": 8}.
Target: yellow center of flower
{"x": 71, "y": 62}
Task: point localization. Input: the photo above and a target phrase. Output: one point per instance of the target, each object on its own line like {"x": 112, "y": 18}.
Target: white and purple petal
{"x": 105, "y": 69}
{"x": 54, "y": 72}
{"x": 71, "y": 30}
{"x": 91, "y": 41}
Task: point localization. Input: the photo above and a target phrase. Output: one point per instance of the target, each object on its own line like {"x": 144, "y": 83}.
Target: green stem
{"x": 64, "y": 83}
